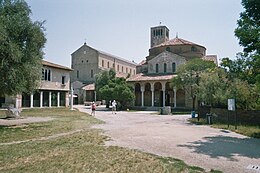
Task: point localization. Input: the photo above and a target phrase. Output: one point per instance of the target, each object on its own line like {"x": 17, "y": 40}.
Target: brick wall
{"x": 243, "y": 117}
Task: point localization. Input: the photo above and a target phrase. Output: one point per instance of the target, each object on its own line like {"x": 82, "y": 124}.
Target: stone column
{"x": 41, "y": 99}
{"x": 58, "y": 99}
{"x": 175, "y": 101}
{"x": 31, "y": 101}
{"x": 163, "y": 89}
{"x": 142, "y": 90}
{"x": 50, "y": 99}
{"x": 152, "y": 90}
{"x": 95, "y": 95}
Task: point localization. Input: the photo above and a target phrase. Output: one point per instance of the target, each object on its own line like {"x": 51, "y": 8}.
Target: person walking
{"x": 93, "y": 108}
{"x": 114, "y": 107}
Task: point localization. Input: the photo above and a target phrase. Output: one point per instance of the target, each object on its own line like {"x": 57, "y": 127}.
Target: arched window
{"x": 165, "y": 67}
{"x": 174, "y": 67}
{"x": 157, "y": 68}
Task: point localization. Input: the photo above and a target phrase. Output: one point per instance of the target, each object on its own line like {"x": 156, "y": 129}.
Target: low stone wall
{"x": 243, "y": 117}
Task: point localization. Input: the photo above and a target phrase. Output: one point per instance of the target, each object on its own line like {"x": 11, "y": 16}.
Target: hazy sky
{"x": 122, "y": 27}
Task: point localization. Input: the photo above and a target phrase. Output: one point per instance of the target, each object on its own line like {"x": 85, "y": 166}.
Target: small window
{"x": 91, "y": 73}
{"x": 63, "y": 79}
{"x": 77, "y": 74}
{"x": 165, "y": 67}
{"x": 102, "y": 63}
{"x": 174, "y": 67}
{"x": 107, "y": 64}
{"x": 193, "y": 49}
{"x": 130, "y": 71}
{"x": 168, "y": 49}
{"x": 126, "y": 70}
{"x": 122, "y": 69}
{"x": 157, "y": 68}
{"x": 117, "y": 67}
{"x": 113, "y": 65}
{"x": 82, "y": 61}
{"x": 134, "y": 71}
{"x": 85, "y": 52}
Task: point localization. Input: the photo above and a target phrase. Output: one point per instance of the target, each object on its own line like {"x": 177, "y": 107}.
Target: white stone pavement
{"x": 173, "y": 136}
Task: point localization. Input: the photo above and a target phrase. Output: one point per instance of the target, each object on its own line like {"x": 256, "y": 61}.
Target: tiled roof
{"x": 150, "y": 77}
{"x": 213, "y": 58}
{"x": 89, "y": 87}
{"x": 50, "y": 64}
{"x": 176, "y": 41}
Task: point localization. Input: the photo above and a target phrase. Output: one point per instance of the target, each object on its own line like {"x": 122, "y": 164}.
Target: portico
{"x": 156, "y": 91}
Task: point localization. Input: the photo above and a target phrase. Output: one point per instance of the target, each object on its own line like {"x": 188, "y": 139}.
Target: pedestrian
{"x": 93, "y": 108}
{"x": 114, "y": 107}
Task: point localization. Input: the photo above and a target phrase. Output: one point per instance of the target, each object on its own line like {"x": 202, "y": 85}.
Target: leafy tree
{"x": 21, "y": 44}
{"x": 248, "y": 30}
{"x": 188, "y": 76}
{"x": 111, "y": 87}
{"x": 248, "y": 33}
{"x": 216, "y": 88}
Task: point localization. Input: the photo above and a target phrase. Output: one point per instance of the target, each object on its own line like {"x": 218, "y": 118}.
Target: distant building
{"x": 152, "y": 81}
{"x": 87, "y": 62}
{"x": 53, "y": 90}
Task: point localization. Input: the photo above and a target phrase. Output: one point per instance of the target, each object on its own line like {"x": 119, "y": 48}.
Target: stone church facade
{"x": 87, "y": 62}
{"x": 152, "y": 81}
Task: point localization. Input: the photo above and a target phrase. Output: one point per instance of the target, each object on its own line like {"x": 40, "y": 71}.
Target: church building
{"x": 152, "y": 81}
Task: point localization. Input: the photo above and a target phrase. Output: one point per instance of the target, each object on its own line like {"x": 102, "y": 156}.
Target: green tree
{"x": 110, "y": 87}
{"x": 188, "y": 76}
{"x": 248, "y": 33}
{"x": 248, "y": 30}
{"x": 21, "y": 44}
{"x": 216, "y": 88}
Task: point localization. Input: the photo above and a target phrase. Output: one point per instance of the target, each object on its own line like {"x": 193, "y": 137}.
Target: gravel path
{"x": 173, "y": 136}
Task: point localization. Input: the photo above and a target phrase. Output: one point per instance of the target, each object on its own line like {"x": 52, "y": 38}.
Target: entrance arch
{"x": 138, "y": 96}
{"x": 158, "y": 94}
{"x": 147, "y": 95}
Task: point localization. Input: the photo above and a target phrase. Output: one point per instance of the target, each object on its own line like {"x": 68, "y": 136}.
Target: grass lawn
{"x": 247, "y": 130}
{"x": 82, "y": 151}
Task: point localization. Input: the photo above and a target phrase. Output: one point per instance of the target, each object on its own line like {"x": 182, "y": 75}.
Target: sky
{"x": 122, "y": 27}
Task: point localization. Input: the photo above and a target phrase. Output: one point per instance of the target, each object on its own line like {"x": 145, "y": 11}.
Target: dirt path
{"x": 173, "y": 136}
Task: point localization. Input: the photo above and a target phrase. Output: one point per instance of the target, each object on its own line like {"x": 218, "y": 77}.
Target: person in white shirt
{"x": 114, "y": 107}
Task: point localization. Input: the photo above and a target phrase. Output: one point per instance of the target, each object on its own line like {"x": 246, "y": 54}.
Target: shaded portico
{"x": 156, "y": 91}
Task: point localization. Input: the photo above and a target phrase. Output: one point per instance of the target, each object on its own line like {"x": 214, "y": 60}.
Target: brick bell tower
{"x": 159, "y": 34}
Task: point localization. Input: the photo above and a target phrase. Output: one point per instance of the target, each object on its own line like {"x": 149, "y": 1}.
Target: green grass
{"x": 83, "y": 151}
{"x": 247, "y": 130}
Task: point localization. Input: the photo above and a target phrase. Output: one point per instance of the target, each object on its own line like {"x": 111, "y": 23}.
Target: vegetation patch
{"x": 83, "y": 151}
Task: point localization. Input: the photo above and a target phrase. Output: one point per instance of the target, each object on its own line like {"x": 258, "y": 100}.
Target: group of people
{"x": 93, "y": 108}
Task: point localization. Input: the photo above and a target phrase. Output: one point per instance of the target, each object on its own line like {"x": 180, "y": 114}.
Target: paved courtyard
{"x": 174, "y": 136}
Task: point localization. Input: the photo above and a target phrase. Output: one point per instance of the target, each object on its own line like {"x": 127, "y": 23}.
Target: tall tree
{"x": 248, "y": 30}
{"x": 248, "y": 33}
{"x": 188, "y": 76}
{"x": 21, "y": 44}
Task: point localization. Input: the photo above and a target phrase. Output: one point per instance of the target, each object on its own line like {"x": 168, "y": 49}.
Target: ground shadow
{"x": 225, "y": 146}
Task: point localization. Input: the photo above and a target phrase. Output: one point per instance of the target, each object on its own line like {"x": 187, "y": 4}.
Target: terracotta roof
{"x": 213, "y": 58}
{"x": 150, "y": 77}
{"x": 50, "y": 64}
{"x": 176, "y": 41}
{"x": 89, "y": 87}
